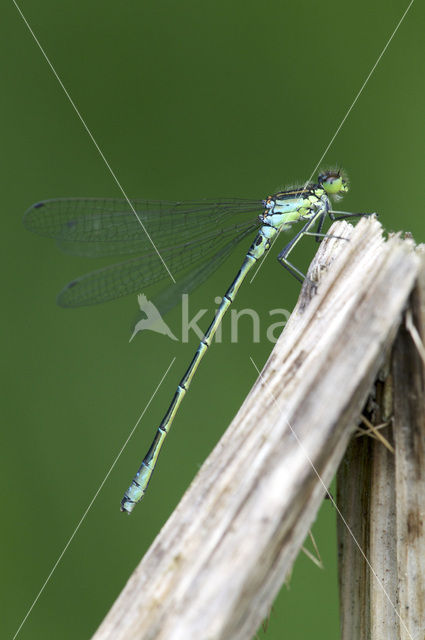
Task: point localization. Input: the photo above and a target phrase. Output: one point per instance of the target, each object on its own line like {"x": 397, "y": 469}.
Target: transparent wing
{"x": 96, "y": 227}
{"x": 135, "y": 274}
{"x": 169, "y": 297}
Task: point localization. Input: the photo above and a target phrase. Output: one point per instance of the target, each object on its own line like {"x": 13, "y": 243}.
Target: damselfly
{"x": 193, "y": 239}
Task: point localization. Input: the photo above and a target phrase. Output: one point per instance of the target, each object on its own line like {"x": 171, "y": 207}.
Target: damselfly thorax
{"x": 194, "y": 239}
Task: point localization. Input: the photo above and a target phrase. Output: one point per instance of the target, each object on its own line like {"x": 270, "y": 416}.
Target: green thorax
{"x": 302, "y": 203}
{"x": 285, "y": 208}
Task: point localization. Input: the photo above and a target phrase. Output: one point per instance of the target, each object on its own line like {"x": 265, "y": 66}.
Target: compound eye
{"x": 333, "y": 182}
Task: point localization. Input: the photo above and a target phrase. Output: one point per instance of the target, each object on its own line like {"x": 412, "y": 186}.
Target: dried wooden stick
{"x": 382, "y": 498}
{"x": 220, "y": 560}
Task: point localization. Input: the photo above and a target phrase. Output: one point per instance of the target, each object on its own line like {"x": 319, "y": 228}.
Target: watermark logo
{"x": 155, "y": 322}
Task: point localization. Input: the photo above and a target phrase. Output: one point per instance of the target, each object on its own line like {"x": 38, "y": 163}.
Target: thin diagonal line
{"x": 360, "y": 91}
{"x": 414, "y": 334}
{"x": 311, "y": 463}
{"x": 83, "y": 517}
{"x": 92, "y": 139}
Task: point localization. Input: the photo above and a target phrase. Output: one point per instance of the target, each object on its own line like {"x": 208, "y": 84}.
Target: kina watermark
{"x": 152, "y": 320}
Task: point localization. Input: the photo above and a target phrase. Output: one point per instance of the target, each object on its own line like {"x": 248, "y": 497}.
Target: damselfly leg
{"x": 195, "y": 238}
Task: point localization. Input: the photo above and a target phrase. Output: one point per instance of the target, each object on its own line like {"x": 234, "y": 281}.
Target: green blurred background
{"x": 187, "y": 100}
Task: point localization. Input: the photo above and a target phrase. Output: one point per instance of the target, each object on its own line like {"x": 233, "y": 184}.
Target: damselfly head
{"x": 335, "y": 183}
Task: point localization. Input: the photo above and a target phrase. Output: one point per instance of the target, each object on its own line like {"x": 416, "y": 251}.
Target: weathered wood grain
{"x": 382, "y": 497}
{"x": 218, "y": 563}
